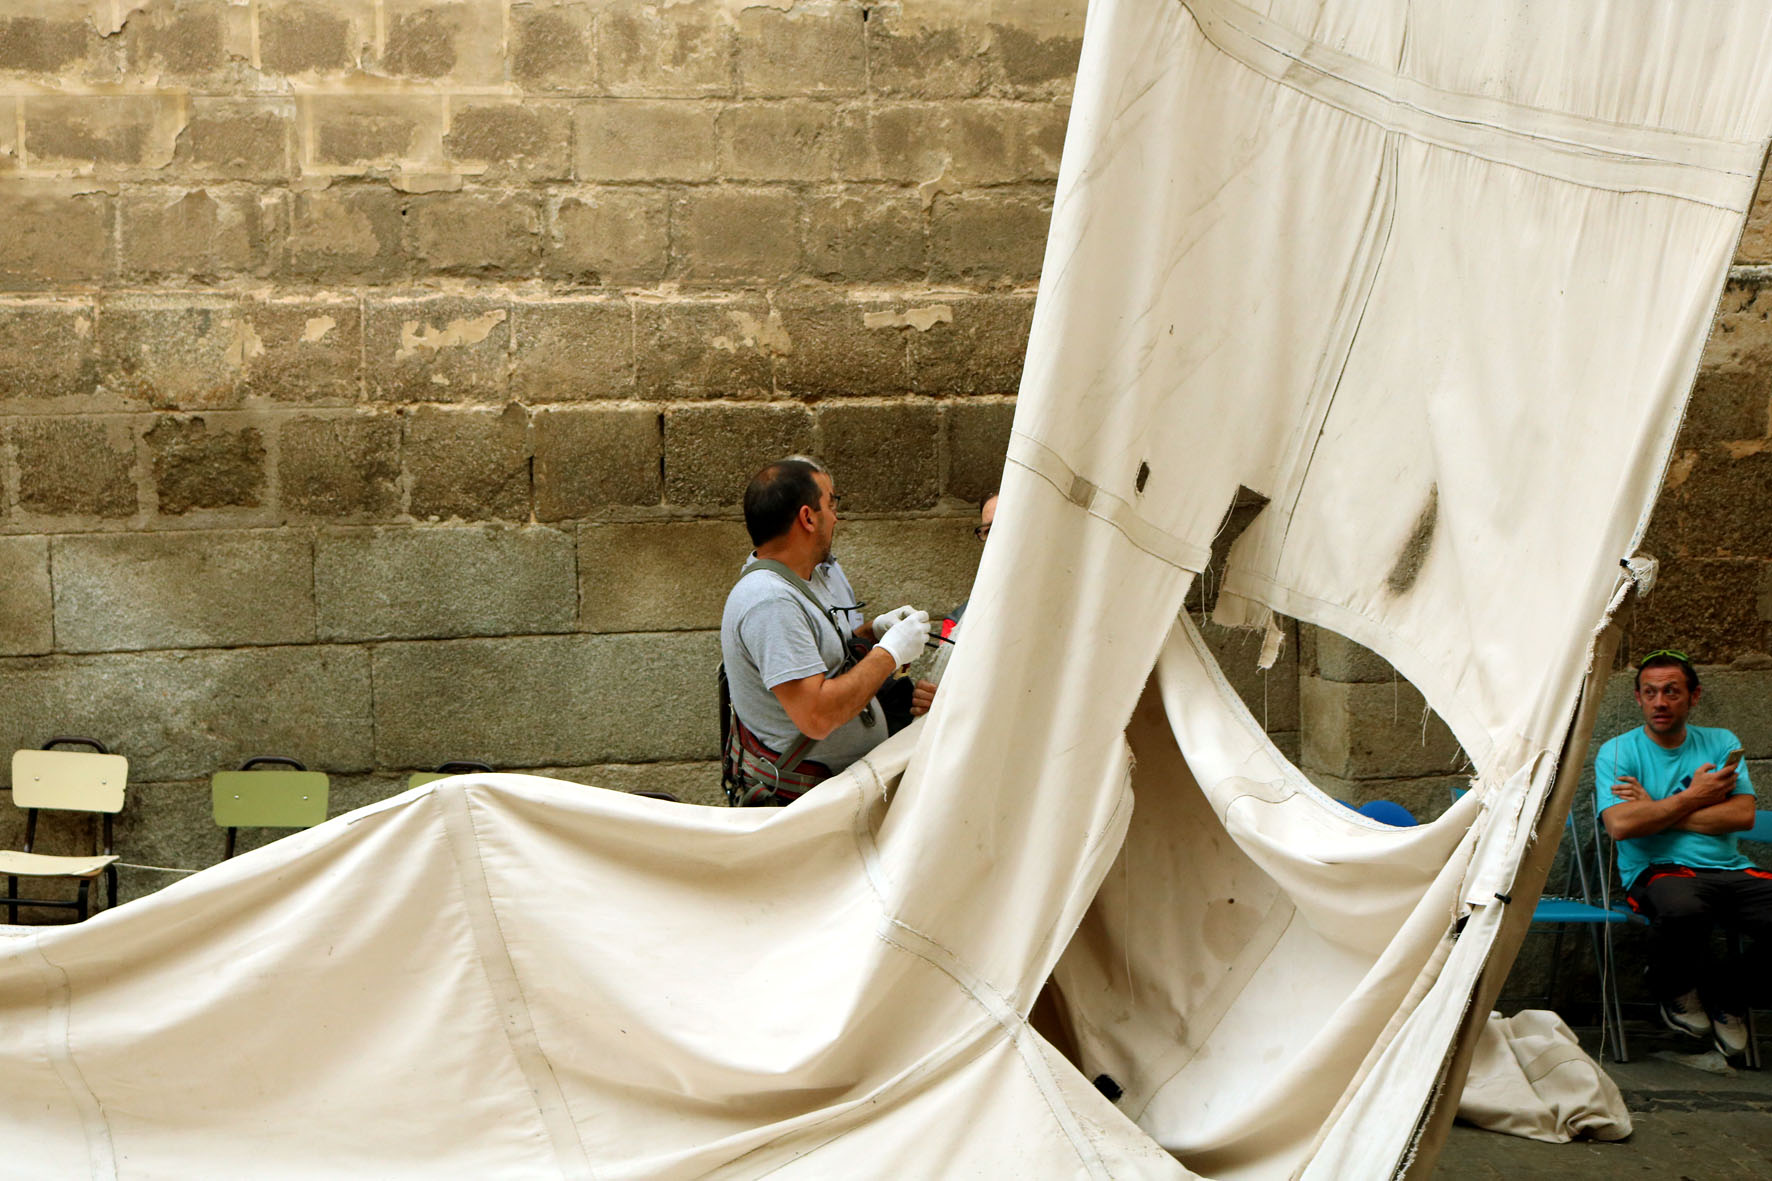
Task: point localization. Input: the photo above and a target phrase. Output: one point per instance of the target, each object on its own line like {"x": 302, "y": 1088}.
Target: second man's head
{"x": 792, "y": 500}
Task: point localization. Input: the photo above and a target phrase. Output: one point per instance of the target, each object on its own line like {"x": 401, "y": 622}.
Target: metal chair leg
{"x": 1597, "y": 947}
{"x": 1738, "y": 966}
{"x": 1609, "y": 989}
{"x": 12, "y": 901}
{"x": 85, "y": 889}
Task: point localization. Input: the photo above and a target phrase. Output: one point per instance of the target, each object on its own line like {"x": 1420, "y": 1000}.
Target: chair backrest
{"x": 70, "y": 780}
{"x": 1387, "y": 812}
{"x": 453, "y": 767}
{"x": 1762, "y": 829}
{"x": 269, "y": 799}
{"x": 1606, "y": 874}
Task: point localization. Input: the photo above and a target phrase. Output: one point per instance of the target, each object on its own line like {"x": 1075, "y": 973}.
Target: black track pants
{"x": 1684, "y": 906}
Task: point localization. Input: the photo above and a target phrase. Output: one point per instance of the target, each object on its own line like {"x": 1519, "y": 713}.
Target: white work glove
{"x": 906, "y": 638}
{"x": 883, "y": 623}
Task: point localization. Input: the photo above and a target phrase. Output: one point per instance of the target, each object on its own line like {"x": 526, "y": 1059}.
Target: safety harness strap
{"x": 751, "y": 770}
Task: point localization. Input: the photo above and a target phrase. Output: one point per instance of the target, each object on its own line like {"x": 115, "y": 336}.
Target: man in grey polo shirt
{"x": 804, "y": 697}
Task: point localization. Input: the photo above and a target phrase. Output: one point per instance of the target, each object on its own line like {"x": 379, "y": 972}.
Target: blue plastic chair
{"x": 1387, "y": 812}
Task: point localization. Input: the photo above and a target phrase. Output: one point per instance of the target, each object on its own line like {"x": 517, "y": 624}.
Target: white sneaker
{"x": 1685, "y": 1014}
{"x": 1729, "y": 1032}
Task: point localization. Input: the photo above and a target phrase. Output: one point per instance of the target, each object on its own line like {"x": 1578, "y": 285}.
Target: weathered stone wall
{"x": 378, "y": 377}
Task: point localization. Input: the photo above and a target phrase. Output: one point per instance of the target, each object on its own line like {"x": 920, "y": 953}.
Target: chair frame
{"x": 1599, "y": 915}
{"x": 1761, "y": 832}
{"x": 1579, "y": 907}
{"x": 1611, "y": 1008}
{"x": 97, "y": 823}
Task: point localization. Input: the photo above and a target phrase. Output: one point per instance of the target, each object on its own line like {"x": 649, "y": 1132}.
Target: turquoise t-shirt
{"x": 1662, "y": 772}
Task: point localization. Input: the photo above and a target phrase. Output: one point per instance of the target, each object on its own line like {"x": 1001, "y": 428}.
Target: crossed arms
{"x": 1707, "y": 806}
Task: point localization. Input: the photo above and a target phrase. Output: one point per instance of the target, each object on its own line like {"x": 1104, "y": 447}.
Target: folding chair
{"x": 1606, "y": 869}
{"x": 444, "y": 771}
{"x": 1575, "y": 904}
{"x": 251, "y": 798}
{"x": 1762, "y": 833}
{"x": 51, "y": 780}
{"x": 1592, "y": 907}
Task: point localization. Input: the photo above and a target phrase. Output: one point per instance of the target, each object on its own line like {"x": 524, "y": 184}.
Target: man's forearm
{"x": 1735, "y": 814}
{"x": 855, "y": 688}
{"x": 1645, "y": 818}
{"x": 832, "y": 701}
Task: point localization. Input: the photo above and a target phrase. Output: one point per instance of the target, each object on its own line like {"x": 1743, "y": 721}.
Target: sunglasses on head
{"x": 1664, "y": 652}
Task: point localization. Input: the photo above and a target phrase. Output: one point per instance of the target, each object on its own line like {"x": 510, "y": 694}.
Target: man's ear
{"x": 806, "y": 519}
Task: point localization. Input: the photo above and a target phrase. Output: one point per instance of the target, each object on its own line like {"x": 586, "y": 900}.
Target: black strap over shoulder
{"x": 799, "y": 584}
{"x": 735, "y": 768}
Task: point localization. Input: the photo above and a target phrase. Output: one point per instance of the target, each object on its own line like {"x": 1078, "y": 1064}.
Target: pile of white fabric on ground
{"x": 1530, "y": 1077}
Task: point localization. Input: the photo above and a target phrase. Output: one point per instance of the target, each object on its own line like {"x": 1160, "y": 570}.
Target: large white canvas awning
{"x": 1432, "y": 278}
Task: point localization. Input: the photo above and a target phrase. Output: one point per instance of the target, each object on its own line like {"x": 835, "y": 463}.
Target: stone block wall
{"x": 378, "y": 378}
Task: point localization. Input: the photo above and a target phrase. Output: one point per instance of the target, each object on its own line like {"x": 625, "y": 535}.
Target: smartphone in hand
{"x": 1734, "y": 758}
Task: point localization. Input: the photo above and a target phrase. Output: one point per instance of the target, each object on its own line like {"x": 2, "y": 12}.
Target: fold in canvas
{"x": 1430, "y": 278}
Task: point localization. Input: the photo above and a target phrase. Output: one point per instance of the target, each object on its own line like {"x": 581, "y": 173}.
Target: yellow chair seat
{"x": 46, "y": 865}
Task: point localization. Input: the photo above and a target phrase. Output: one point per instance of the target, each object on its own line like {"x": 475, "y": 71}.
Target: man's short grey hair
{"x": 777, "y": 493}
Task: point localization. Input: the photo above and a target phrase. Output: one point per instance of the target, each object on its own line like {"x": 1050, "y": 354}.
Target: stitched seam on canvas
{"x": 101, "y": 1152}
{"x": 507, "y": 990}
{"x": 908, "y": 939}
{"x": 1033, "y": 456}
{"x": 1559, "y": 145}
{"x": 1375, "y": 242}
{"x": 970, "y": 1047}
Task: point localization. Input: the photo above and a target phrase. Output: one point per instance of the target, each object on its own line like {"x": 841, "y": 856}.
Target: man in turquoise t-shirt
{"x": 1673, "y": 799}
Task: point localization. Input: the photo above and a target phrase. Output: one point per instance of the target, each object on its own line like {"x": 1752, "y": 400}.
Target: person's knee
{"x": 1674, "y": 904}
{"x": 1753, "y": 908}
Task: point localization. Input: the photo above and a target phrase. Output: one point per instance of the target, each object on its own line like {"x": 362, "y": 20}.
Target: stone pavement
{"x": 1690, "y": 1125}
